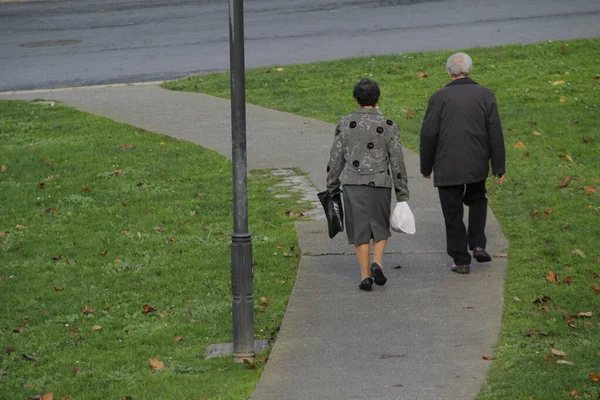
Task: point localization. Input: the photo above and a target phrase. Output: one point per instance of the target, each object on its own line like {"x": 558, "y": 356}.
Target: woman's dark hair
{"x": 366, "y": 92}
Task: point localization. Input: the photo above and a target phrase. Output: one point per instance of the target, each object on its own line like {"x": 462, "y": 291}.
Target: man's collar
{"x": 463, "y": 81}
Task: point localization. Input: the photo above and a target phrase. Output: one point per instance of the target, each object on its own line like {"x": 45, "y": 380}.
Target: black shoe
{"x": 366, "y": 284}
{"x": 481, "y": 255}
{"x": 461, "y": 269}
{"x": 377, "y": 273}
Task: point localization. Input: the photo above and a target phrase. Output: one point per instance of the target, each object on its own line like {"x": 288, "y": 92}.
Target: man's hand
{"x": 500, "y": 179}
{"x": 427, "y": 176}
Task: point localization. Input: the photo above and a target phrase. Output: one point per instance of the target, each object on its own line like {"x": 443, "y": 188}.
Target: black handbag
{"x": 332, "y": 205}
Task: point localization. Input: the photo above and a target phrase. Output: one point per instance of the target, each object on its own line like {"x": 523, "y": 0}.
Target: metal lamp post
{"x": 242, "y": 273}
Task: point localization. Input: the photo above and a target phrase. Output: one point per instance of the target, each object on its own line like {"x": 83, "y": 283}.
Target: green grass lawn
{"x": 549, "y": 97}
{"x": 115, "y": 250}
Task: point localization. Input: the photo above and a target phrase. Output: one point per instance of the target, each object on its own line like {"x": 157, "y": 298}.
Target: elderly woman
{"x": 366, "y": 157}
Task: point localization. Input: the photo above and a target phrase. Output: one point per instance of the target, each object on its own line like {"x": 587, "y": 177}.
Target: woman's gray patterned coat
{"x": 367, "y": 150}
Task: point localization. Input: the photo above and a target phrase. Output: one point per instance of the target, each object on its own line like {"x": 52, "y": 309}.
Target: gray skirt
{"x": 367, "y": 213}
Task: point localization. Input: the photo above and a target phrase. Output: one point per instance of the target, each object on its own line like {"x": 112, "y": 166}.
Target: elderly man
{"x": 460, "y": 135}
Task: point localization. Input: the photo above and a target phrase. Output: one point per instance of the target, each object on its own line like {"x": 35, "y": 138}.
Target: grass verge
{"x": 549, "y": 208}
{"x": 115, "y": 260}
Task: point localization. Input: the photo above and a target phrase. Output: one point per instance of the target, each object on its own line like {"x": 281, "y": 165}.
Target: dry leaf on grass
{"x": 148, "y": 309}
{"x": 422, "y": 74}
{"x": 177, "y": 339}
{"x": 551, "y": 277}
{"x": 156, "y": 364}
{"x": 96, "y": 327}
{"x": 519, "y": 145}
{"x": 87, "y": 310}
{"x": 578, "y": 253}
{"x": 595, "y": 376}
{"x": 564, "y": 182}
{"x": 489, "y": 358}
{"x": 587, "y": 314}
{"x": 558, "y": 352}
{"x": 565, "y": 362}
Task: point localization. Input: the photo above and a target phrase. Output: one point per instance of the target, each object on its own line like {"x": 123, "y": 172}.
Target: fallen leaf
{"x": 67, "y": 397}
{"x": 86, "y": 190}
{"x": 20, "y": 226}
{"x": 18, "y": 329}
{"x": 587, "y": 314}
{"x": 516, "y": 299}
{"x": 47, "y": 396}
{"x": 59, "y": 289}
{"x": 532, "y": 332}
{"x": 597, "y": 78}
{"x": 489, "y": 358}
{"x": 126, "y": 233}
{"x": 162, "y": 316}
{"x": 2, "y": 168}
{"x": 148, "y": 309}
{"x": 548, "y": 358}
{"x": 563, "y": 99}
{"x": 156, "y": 364}
{"x": 558, "y": 83}
{"x": 547, "y": 212}
{"x": 96, "y": 327}
{"x": 568, "y": 280}
{"x": 118, "y": 172}
{"x": 551, "y": 277}
{"x": 177, "y": 339}
{"x": 292, "y": 214}
{"x": 532, "y": 123}
{"x": 422, "y": 74}
{"x": 249, "y": 364}
{"x": 526, "y": 154}
{"x": 575, "y": 121}
{"x": 30, "y": 357}
{"x": 585, "y": 140}
{"x": 566, "y": 157}
{"x": 564, "y": 182}
{"x": 589, "y": 189}
{"x": 157, "y": 229}
{"x": 519, "y": 145}
{"x": 574, "y": 394}
{"x": 264, "y": 301}
{"x": 74, "y": 332}
{"x": 103, "y": 252}
{"x": 409, "y": 114}
{"x": 559, "y": 353}
{"x": 87, "y": 310}
{"x": 512, "y": 129}
{"x": 192, "y": 213}
{"x": 279, "y": 246}
{"x": 565, "y": 362}
{"x": 534, "y": 213}
{"x": 596, "y": 289}
{"x": 595, "y": 376}
{"x": 578, "y": 252}
{"x": 126, "y": 146}
{"x": 536, "y": 133}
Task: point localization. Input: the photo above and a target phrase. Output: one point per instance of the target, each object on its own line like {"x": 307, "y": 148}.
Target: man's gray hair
{"x": 459, "y": 64}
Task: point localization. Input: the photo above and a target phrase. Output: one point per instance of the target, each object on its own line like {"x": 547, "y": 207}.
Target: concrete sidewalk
{"x": 422, "y": 336}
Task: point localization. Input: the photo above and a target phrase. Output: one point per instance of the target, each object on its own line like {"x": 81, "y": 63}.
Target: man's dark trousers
{"x": 458, "y": 238}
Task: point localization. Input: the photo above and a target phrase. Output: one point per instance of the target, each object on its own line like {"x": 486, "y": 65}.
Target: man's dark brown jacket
{"x": 461, "y": 133}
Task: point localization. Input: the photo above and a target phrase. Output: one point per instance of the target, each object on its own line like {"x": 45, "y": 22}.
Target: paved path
{"x": 422, "y": 336}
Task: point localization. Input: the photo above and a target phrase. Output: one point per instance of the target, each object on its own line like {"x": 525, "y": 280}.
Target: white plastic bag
{"x": 402, "y": 219}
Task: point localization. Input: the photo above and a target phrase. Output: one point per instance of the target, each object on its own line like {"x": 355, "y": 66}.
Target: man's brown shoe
{"x": 461, "y": 269}
{"x": 481, "y": 255}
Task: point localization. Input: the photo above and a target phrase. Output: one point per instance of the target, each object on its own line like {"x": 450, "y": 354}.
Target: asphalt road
{"x": 61, "y": 43}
